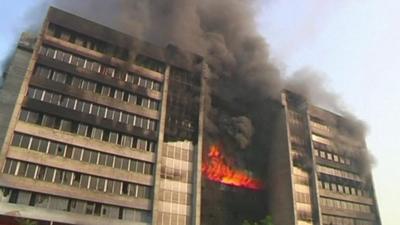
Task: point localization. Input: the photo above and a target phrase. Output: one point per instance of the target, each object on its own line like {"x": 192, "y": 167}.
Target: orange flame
{"x": 217, "y": 170}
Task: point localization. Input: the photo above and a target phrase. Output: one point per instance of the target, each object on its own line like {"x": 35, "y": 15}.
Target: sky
{"x": 355, "y": 46}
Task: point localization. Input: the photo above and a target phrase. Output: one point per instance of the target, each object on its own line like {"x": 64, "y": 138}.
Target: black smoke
{"x": 223, "y": 31}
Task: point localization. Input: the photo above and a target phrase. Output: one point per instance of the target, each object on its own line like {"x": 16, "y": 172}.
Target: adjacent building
{"x": 98, "y": 127}
{"x": 325, "y": 178}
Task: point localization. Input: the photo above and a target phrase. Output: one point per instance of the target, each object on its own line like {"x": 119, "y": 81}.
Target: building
{"x": 324, "y": 178}
{"x": 95, "y": 131}
{"x": 98, "y": 127}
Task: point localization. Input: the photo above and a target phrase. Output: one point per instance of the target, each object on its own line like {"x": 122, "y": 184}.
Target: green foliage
{"x": 26, "y": 222}
{"x": 246, "y": 223}
{"x": 266, "y": 221}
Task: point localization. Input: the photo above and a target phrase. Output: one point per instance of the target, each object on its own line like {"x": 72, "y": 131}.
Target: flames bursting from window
{"x": 216, "y": 169}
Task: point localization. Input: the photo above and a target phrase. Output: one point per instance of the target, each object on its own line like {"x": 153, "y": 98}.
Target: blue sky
{"x": 354, "y": 44}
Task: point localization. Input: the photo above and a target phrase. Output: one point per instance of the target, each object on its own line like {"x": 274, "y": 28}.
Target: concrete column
{"x": 197, "y": 162}
{"x": 162, "y": 124}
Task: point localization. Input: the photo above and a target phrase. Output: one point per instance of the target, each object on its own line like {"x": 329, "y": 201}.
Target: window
{"x": 102, "y": 159}
{"x": 82, "y": 129}
{"x": 76, "y": 179}
{"x": 127, "y": 141}
{"x": 93, "y": 183}
{"x": 143, "y": 192}
{"x": 132, "y": 166}
{"x": 49, "y": 121}
{"x": 117, "y": 187}
{"x": 23, "y": 115}
{"x": 125, "y": 188}
{"x": 53, "y": 148}
{"x": 101, "y": 184}
{"x": 86, "y": 156}
{"x": 110, "y": 185}
{"x": 25, "y": 142}
{"x": 49, "y": 174}
{"x": 41, "y": 201}
{"x": 102, "y": 112}
{"x": 139, "y": 167}
{"x": 60, "y": 150}
{"x": 59, "y": 174}
{"x": 34, "y": 144}
{"x": 97, "y": 133}
{"x": 119, "y": 95}
{"x": 110, "y": 211}
{"x": 113, "y": 137}
{"x": 336, "y": 158}
{"x": 43, "y": 146}
{"x": 66, "y": 125}
{"x": 40, "y": 174}
{"x": 110, "y": 114}
{"x": 152, "y": 125}
{"x": 151, "y": 147}
{"x": 105, "y": 91}
{"x": 89, "y": 208}
{"x": 86, "y": 107}
{"x": 125, "y": 163}
{"x": 118, "y": 163}
{"x": 124, "y": 118}
{"x": 148, "y": 168}
{"x": 77, "y": 153}
{"x": 58, "y": 203}
{"x": 154, "y": 105}
{"x": 22, "y": 169}
{"x": 67, "y": 178}
{"x": 28, "y": 116}
{"x": 84, "y": 181}
{"x": 110, "y": 161}
{"x": 141, "y": 144}
{"x": 77, "y": 206}
{"x": 133, "y": 99}
{"x": 22, "y": 197}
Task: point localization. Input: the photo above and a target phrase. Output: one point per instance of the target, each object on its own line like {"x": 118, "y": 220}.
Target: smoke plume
{"x": 240, "y": 71}
{"x": 239, "y": 128}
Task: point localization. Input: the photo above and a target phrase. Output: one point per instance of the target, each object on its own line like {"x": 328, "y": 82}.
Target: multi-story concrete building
{"x": 323, "y": 176}
{"x": 98, "y": 127}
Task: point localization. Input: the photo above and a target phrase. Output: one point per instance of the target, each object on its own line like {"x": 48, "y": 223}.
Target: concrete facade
{"x": 330, "y": 182}
{"x": 86, "y": 121}
{"x": 12, "y": 86}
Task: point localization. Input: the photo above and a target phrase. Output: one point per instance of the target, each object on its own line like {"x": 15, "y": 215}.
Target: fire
{"x": 217, "y": 170}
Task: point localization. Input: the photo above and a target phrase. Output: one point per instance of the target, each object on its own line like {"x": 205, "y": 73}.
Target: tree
{"x": 26, "y": 222}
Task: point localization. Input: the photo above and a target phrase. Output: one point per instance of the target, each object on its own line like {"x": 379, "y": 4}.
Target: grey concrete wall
{"x": 196, "y": 205}
{"x": 157, "y": 174}
{"x": 281, "y": 201}
{"x": 11, "y": 89}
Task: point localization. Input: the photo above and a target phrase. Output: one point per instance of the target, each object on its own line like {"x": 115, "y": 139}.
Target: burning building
{"x": 97, "y": 131}
{"x": 99, "y": 127}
